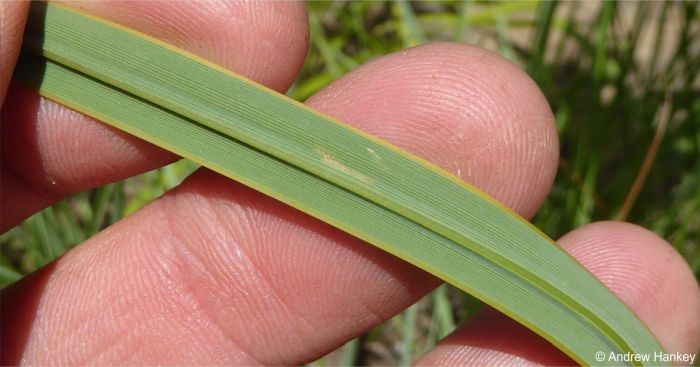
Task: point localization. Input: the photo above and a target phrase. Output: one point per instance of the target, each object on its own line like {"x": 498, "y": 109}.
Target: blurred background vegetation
{"x": 622, "y": 80}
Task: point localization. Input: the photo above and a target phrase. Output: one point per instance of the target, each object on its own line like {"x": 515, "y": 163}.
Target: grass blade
{"x": 103, "y": 198}
{"x": 506, "y": 47}
{"x": 544, "y": 23}
{"x": 353, "y": 181}
{"x": 349, "y": 354}
{"x": 460, "y": 28}
{"x": 410, "y": 318}
{"x": 442, "y": 312}
{"x": 602, "y": 35}
{"x": 410, "y": 28}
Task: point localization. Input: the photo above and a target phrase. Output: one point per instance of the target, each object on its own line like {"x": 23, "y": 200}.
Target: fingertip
{"x": 465, "y": 109}
{"x": 648, "y": 274}
{"x": 636, "y": 264}
{"x": 492, "y": 339}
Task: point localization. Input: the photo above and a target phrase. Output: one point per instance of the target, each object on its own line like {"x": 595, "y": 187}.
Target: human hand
{"x": 214, "y": 272}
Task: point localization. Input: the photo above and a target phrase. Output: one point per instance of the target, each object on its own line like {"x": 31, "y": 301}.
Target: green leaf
{"x": 410, "y": 28}
{"x": 329, "y": 170}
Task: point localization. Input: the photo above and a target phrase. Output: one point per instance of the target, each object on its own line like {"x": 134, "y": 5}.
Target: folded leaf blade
{"x": 348, "y": 179}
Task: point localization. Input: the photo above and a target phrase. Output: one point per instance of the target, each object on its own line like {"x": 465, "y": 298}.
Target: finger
{"x": 13, "y": 15}
{"x": 50, "y": 151}
{"x": 641, "y": 268}
{"x": 217, "y": 273}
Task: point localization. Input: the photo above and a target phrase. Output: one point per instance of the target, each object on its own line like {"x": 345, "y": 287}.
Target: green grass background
{"x": 617, "y": 75}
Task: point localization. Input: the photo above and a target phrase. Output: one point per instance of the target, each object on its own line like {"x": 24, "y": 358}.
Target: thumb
{"x": 13, "y": 15}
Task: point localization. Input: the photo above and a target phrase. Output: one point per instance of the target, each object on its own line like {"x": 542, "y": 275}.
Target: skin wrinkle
{"x": 175, "y": 288}
{"x": 127, "y": 306}
{"x": 178, "y": 276}
{"x": 97, "y": 352}
{"x": 201, "y": 305}
{"x": 233, "y": 216}
{"x": 80, "y": 320}
{"x": 272, "y": 229}
{"x": 128, "y": 348}
{"x": 373, "y": 313}
{"x": 374, "y": 316}
{"x": 117, "y": 304}
{"x": 59, "y": 318}
{"x": 248, "y": 271}
{"x": 291, "y": 312}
